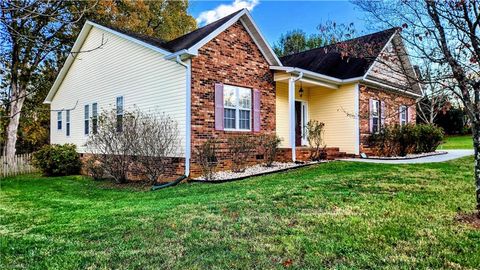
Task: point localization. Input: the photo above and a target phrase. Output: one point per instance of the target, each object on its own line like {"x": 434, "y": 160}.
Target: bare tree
{"x": 31, "y": 33}
{"x": 447, "y": 35}
{"x": 158, "y": 141}
{"x": 114, "y": 147}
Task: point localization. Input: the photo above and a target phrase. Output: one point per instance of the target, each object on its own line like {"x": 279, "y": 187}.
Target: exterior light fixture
{"x": 301, "y": 89}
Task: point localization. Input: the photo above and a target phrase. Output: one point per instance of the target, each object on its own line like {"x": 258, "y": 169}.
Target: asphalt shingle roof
{"x": 328, "y": 61}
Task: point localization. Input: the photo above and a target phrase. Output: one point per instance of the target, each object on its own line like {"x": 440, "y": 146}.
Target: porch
{"x": 301, "y": 98}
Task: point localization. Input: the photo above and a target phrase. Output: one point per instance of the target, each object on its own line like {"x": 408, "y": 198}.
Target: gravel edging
{"x": 409, "y": 157}
{"x": 254, "y": 175}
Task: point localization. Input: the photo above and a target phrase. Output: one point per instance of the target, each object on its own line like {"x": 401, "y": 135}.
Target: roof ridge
{"x": 205, "y": 26}
{"x": 336, "y": 43}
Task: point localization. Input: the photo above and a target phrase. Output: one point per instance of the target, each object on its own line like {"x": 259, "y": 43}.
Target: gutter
{"x": 317, "y": 75}
{"x": 188, "y": 116}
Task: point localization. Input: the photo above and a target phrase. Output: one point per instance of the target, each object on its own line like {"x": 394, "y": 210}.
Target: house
{"x": 224, "y": 79}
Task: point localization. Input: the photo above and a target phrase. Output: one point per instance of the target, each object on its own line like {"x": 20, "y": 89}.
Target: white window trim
{"x": 237, "y": 109}
{"x": 378, "y": 116}
{"x": 123, "y": 110}
{"x": 60, "y": 119}
{"x": 93, "y": 117}
{"x": 68, "y": 124}
{"x": 403, "y": 112}
{"x": 86, "y": 119}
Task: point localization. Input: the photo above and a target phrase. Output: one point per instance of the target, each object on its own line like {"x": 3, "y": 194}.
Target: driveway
{"x": 452, "y": 154}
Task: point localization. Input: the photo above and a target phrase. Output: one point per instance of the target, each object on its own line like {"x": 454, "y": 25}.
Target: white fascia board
{"x": 316, "y": 75}
{"x": 367, "y": 81}
{"x": 127, "y": 37}
{"x": 217, "y": 31}
{"x": 182, "y": 53}
{"x": 193, "y": 50}
{"x": 263, "y": 39}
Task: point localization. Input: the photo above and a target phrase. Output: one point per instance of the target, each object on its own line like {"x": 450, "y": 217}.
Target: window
{"x": 87, "y": 119}
{"x": 403, "y": 115}
{"x": 59, "y": 120}
{"x": 237, "y": 104}
{"x": 67, "y": 123}
{"x": 375, "y": 114}
{"x": 94, "y": 118}
{"x": 119, "y": 114}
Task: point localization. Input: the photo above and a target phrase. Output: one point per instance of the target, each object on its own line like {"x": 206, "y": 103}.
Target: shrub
{"x": 396, "y": 140}
{"x": 94, "y": 169}
{"x": 315, "y": 130}
{"x": 143, "y": 145}
{"x": 239, "y": 149}
{"x": 207, "y": 158}
{"x": 111, "y": 148}
{"x": 429, "y": 138}
{"x": 269, "y": 148}
{"x": 55, "y": 160}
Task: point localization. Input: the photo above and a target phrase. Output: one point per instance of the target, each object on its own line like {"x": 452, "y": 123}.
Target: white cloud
{"x": 223, "y": 10}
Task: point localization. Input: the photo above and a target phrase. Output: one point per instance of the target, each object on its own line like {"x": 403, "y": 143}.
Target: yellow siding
{"x": 335, "y": 108}
{"x": 282, "y": 110}
{"x": 120, "y": 68}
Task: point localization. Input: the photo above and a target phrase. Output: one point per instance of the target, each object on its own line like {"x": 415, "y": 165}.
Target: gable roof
{"x": 328, "y": 61}
{"x": 187, "y": 44}
{"x": 188, "y": 40}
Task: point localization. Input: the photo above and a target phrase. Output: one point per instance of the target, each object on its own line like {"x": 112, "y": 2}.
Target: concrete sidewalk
{"x": 452, "y": 154}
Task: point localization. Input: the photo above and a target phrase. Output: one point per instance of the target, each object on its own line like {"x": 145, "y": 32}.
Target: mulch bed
{"x": 471, "y": 219}
{"x": 218, "y": 181}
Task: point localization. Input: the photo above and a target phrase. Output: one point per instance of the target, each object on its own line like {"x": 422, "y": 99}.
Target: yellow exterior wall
{"x": 282, "y": 110}
{"x": 334, "y": 107}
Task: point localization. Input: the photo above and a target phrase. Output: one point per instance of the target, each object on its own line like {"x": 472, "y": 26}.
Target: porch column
{"x": 291, "y": 115}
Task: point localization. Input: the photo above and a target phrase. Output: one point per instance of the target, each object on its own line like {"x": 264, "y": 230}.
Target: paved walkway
{"x": 452, "y": 154}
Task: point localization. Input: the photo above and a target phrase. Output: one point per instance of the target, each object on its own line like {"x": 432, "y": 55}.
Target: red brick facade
{"x": 392, "y": 101}
{"x": 230, "y": 58}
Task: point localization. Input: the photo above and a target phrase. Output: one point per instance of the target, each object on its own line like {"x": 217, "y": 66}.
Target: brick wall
{"x": 230, "y": 58}
{"x": 392, "y": 103}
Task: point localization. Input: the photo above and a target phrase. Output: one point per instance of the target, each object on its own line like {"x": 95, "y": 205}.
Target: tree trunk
{"x": 476, "y": 146}
{"x": 16, "y": 105}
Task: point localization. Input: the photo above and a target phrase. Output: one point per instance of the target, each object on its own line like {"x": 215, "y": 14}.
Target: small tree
{"x": 268, "y": 145}
{"x": 315, "y": 130}
{"x": 207, "y": 158}
{"x": 113, "y": 149}
{"x": 158, "y": 140}
{"x": 239, "y": 149}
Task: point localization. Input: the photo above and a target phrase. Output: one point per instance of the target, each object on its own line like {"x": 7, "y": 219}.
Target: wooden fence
{"x": 21, "y": 164}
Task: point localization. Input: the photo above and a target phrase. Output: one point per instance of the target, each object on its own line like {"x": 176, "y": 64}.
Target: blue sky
{"x": 277, "y": 17}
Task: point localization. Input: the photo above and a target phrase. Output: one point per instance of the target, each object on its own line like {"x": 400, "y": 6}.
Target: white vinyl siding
{"x": 120, "y": 68}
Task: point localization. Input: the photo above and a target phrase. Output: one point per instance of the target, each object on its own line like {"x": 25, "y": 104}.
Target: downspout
{"x": 291, "y": 106}
{"x": 188, "y": 114}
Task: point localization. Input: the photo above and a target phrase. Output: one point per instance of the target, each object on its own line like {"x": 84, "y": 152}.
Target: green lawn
{"x": 457, "y": 142}
{"x": 335, "y": 215}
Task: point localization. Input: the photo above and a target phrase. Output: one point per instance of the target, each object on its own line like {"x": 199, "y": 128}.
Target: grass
{"x": 457, "y": 142}
{"x": 336, "y": 215}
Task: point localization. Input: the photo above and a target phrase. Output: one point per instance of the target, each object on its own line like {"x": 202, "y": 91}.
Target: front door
{"x": 298, "y": 123}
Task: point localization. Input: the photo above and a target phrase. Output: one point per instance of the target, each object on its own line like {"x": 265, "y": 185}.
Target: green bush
{"x": 429, "y": 138}
{"x": 54, "y": 160}
{"x": 396, "y": 140}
